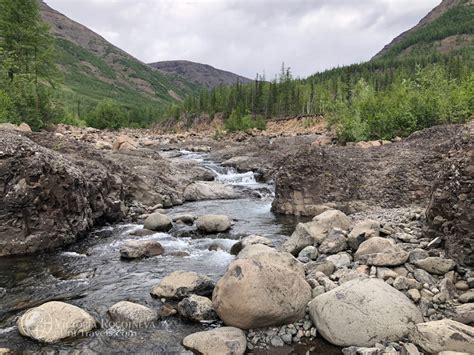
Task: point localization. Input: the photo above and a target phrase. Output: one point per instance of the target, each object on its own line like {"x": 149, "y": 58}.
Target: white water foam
{"x": 73, "y": 254}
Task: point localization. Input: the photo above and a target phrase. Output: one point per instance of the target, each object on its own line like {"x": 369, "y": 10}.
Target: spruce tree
{"x": 26, "y": 59}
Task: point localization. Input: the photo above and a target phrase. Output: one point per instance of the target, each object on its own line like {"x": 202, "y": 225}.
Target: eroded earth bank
{"x": 258, "y": 242}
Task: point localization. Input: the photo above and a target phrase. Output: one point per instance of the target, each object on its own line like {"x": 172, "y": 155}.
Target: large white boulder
{"x": 224, "y": 340}
{"x": 53, "y": 321}
{"x": 260, "y": 293}
{"x": 362, "y": 312}
{"x": 270, "y": 255}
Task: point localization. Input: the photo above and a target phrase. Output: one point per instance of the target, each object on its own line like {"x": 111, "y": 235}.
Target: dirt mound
{"x": 352, "y": 177}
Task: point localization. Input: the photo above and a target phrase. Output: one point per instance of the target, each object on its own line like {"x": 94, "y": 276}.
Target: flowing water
{"x": 91, "y": 275}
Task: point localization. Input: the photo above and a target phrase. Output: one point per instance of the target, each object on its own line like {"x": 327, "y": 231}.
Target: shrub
{"x": 237, "y": 122}
{"x": 107, "y": 114}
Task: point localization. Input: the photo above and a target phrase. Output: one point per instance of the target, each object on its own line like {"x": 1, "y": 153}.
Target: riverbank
{"x": 75, "y": 180}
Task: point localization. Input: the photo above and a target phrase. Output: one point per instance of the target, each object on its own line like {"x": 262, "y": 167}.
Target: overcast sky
{"x": 249, "y": 36}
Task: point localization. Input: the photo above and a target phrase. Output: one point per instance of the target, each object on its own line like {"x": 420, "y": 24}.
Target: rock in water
{"x": 208, "y": 190}
{"x": 213, "y": 223}
{"x": 135, "y": 249}
{"x": 197, "y": 308}
{"x": 224, "y": 340}
{"x": 257, "y": 293}
{"x": 363, "y": 312}
{"x": 443, "y": 335}
{"x": 158, "y": 222}
{"x": 53, "y": 321}
{"x": 180, "y": 284}
{"x": 125, "y": 311}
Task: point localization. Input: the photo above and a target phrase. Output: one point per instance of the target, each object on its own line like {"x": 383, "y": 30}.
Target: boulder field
{"x": 372, "y": 271}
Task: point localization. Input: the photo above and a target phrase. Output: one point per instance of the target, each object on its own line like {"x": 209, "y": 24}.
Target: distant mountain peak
{"x": 201, "y": 74}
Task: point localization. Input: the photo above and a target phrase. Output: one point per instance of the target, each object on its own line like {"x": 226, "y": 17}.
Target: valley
{"x": 177, "y": 208}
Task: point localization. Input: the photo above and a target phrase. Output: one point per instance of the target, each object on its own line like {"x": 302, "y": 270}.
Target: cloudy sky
{"x": 249, "y": 36}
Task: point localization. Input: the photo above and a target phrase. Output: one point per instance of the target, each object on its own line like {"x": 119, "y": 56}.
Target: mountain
{"x": 94, "y": 69}
{"x": 449, "y": 27}
{"x": 201, "y": 74}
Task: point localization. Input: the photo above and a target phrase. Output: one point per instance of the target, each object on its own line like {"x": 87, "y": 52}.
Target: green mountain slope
{"x": 412, "y": 84}
{"x": 449, "y": 27}
{"x": 94, "y": 69}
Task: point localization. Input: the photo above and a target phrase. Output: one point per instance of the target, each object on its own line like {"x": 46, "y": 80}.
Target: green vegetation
{"x": 455, "y": 21}
{"x": 407, "y": 105}
{"x": 388, "y": 96}
{"x": 89, "y": 78}
{"x": 237, "y": 122}
{"x": 107, "y": 114}
{"x": 27, "y": 71}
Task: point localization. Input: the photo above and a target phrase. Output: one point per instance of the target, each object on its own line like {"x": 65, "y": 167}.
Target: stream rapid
{"x": 91, "y": 275}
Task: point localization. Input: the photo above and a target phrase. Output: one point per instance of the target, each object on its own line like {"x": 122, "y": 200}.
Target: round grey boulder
{"x": 53, "y": 321}
{"x": 196, "y": 308}
{"x": 158, "y": 222}
{"x": 224, "y": 340}
{"x": 213, "y": 223}
{"x": 260, "y": 293}
{"x": 362, "y": 312}
{"x": 125, "y": 311}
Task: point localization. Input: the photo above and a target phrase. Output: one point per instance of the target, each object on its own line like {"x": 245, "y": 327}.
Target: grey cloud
{"x": 249, "y": 36}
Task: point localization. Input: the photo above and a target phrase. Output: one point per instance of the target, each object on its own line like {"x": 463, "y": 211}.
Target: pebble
{"x": 277, "y": 341}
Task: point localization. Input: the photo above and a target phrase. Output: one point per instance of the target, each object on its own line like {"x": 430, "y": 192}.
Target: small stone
{"x": 286, "y": 338}
{"x": 424, "y": 277}
{"x": 436, "y": 265}
{"x": 460, "y": 285}
{"x": 277, "y": 341}
{"x": 467, "y": 297}
{"x": 310, "y": 252}
{"x": 307, "y": 325}
{"x": 404, "y": 283}
{"x": 414, "y": 294}
{"x": 318, "y": 290}
{"x": 167, "y": 310}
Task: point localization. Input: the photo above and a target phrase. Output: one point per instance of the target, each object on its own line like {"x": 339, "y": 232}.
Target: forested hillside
{"x": 390, "y": 95}
{"x": 94, "y": 69}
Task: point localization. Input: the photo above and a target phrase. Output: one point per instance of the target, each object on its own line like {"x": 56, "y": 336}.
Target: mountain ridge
{"x": 95, "y": 69}
{"x": 441, "y": 41}
{"x": 202, "y": 74}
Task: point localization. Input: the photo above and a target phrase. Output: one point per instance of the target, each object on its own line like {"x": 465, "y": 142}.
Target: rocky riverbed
{"x": 189, "y": 253}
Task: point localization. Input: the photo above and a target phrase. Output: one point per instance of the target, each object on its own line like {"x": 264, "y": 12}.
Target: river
{"x": 91, "y": 275}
